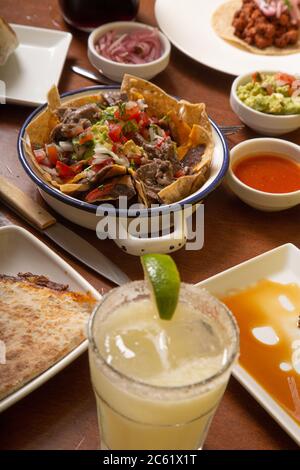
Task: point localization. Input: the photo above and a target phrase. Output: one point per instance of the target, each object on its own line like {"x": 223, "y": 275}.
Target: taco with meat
{"x": 138, "y": 142}
{"x": 264, "y": 27}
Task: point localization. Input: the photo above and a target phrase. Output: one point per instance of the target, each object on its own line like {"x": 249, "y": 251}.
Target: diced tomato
{"x": 285, "y": 77}
{"x": 143, "y": 119}
{"x": 179, "y": 173}
{"x": 85, "y": 137}
{"x": 65, "y": 171}
{"x": 123, "y": 139}
{"x": 133, "y": 113}
{"x": 115, "y": 132}
{"x": 99, "y": 192}
{"x": 128, "y": 113}
{"x": 256, "y": 77}
{"x": 40, "y": 155}
{"x": 136, "y": 159}
{"x": 74, "y": 132}
{"x": 52, "y": 153}
{"x": 77, "y": 167}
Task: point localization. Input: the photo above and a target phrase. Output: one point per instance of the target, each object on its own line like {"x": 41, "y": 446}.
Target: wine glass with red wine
{"x": 88, "y": 15}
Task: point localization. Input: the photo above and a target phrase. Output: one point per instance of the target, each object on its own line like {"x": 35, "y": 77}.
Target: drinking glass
{"x": 88, "y": 15}
{"x": 166, "y": 404}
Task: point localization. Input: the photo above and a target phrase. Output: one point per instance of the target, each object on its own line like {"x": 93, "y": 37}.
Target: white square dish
{"x": 22, "y": 252}
{"x": 35, "y": 65}
{"x": 280, "y": 265}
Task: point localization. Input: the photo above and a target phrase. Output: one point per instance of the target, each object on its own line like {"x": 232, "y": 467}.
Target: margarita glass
{"x": 158, "y": 382}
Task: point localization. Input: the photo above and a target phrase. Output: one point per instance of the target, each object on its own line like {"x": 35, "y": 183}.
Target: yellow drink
{"x": 158, "y": 383}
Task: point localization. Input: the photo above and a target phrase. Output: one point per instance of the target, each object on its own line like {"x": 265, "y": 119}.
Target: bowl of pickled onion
{"x": 128, "y": 47}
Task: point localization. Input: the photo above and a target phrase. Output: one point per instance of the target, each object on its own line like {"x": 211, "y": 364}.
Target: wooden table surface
{"x": 62, "y": 413}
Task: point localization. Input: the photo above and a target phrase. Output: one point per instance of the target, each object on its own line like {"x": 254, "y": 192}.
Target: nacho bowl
{"x": 83, "y": 213}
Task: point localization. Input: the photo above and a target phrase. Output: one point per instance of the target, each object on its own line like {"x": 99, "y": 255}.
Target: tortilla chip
{"x": 70, "y": 188}
{"x": 197, "y": 136}
{"x": 53, "y": 98}
{"x": 195, "y": 113}
{"x": 183, "y": 187}
{"x": 77, "y": 102}
{"x": 180, "y": 129}
{"x": 222, "y": 24}
{"x": 159, "y": 103}
{"x": 124, "y": 182}
{"x": 187, "y": 185}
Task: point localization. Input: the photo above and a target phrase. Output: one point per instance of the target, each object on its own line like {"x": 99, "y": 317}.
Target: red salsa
{"x": 269, "y": 173}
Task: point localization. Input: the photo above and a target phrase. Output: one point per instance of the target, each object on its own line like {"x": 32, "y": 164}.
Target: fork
{"x": 229, "y": 130}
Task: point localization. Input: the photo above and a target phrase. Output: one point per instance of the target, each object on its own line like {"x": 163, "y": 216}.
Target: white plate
{"x": 187, "y": 23}
{"x": 35, "y": 65}
{"x": 281, "y": 265}
{"x": 22, "y": 252}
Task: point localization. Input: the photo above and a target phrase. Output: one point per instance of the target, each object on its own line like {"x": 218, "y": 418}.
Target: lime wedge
{"x": 162, "y": 274}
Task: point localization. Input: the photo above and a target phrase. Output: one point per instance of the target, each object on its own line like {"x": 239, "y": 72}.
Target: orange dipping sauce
{"x": 273, "y": 360}
{"x": 269, "y": 173}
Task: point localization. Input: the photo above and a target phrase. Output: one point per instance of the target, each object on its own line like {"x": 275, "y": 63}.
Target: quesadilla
{"x": 40, "y": 322}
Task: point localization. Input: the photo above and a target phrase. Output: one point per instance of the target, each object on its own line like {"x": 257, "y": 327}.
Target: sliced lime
{"x": 162, "y": 274}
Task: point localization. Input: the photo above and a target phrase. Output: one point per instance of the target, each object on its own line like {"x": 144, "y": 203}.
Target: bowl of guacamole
{"x": 277, "y": 93}
{"x": 268, "y": 102}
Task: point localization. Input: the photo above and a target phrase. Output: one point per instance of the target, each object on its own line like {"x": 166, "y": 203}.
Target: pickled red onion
{"x": 137, "y": 47}
{"x": 277, "y": 7}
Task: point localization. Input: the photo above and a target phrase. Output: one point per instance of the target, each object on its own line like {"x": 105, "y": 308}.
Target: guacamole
{"x": 277, "y": 94}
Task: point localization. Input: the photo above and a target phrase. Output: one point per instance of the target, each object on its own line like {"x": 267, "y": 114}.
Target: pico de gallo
{"x": 93, "y": 144}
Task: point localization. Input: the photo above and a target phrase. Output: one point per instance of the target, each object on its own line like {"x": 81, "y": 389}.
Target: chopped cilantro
{"x": 88, "y": 153}
{"x": 129, "y": 127}
{"x": 122, "y": 108}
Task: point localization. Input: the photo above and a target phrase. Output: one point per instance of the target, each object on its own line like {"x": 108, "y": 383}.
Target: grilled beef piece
{"x": 114, "y": 97}
{"x": 155, "y": 176}
{"x": 151, "y": 150}
{"x": 72, "y": 118}
{"x": 192, "y": 158}
{"x": 166, "y": 151}
{"x": 88, "y": 111}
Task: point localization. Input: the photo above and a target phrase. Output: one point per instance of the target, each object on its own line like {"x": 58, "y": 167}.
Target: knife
{"x": 45, "y": 223}
{"x": 95, "y": 76}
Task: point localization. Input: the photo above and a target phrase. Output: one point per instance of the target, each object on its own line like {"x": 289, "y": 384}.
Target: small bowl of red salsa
{"x": 265, "y": 173}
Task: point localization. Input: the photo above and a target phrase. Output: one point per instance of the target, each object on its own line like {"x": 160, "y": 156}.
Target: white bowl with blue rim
{"x": 85, "y": 214}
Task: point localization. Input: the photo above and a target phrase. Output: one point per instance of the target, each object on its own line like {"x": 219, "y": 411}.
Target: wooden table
{"x": 62, "y": 413}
